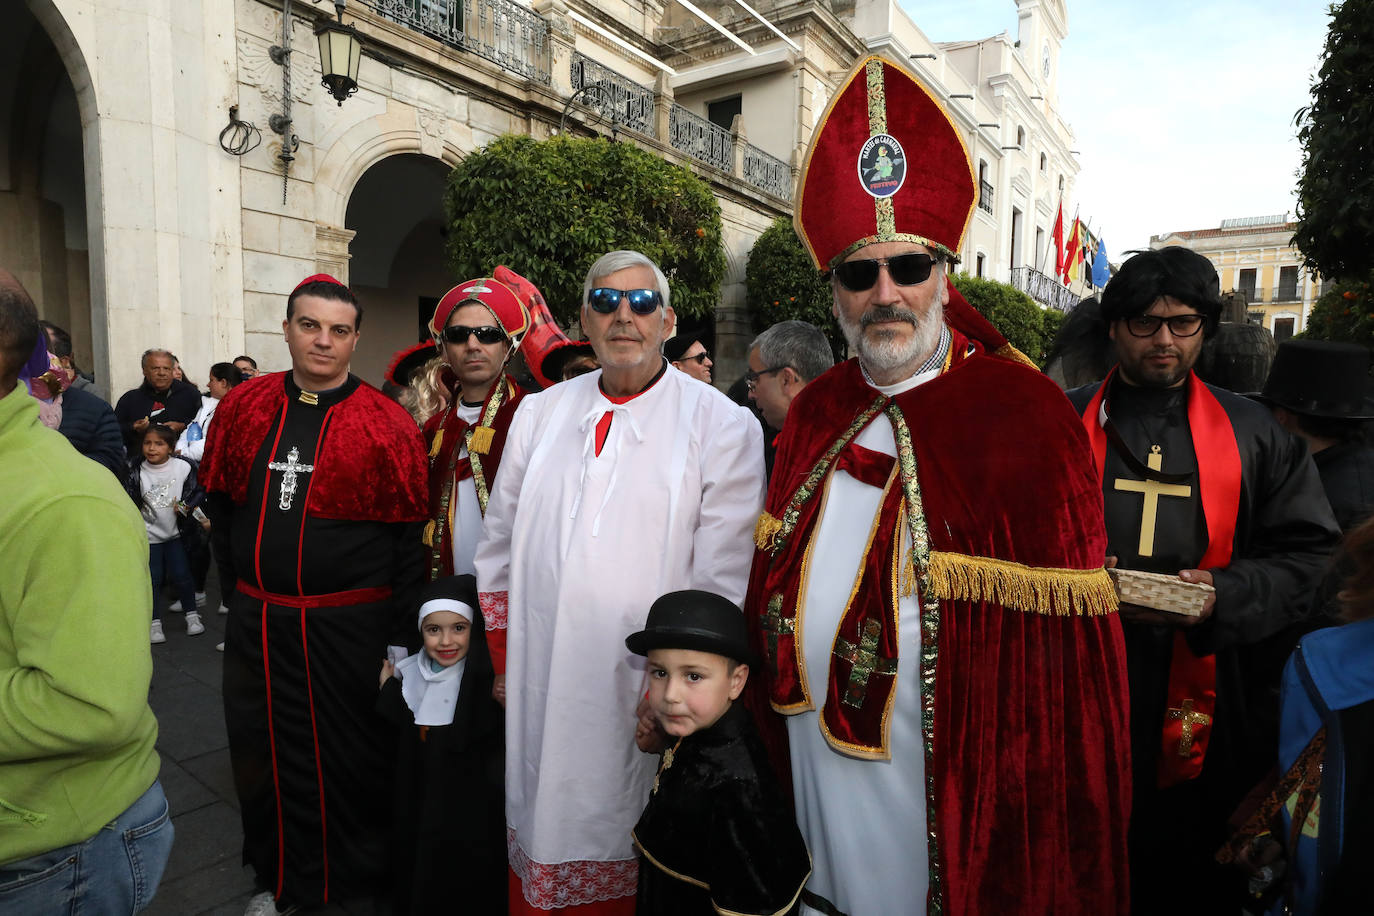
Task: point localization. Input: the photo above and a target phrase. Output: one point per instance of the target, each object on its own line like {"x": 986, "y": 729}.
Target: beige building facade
{"x": 1256, "y": 256}
{"x": 147, "y": 200}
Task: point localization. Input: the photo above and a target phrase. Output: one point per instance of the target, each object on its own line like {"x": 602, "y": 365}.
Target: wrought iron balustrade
{"x": 985, "y": 196}
{"x": 766, "y": 172}
{"x": 701, "y": 139}
{"x": 1287, "y": 294}
{"x": 618, "y": 98}
{"x": 500, "y": 31}
{"x": 1043, "y": 288}
{"x": 1254, "y": 295}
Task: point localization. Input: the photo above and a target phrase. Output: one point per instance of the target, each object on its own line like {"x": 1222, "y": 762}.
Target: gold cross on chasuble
{"x": 1152, "y": 490}
{"x": 775, "y": 625}
{"x": 864, "y": 662}
{"x": 1190, "y": 718}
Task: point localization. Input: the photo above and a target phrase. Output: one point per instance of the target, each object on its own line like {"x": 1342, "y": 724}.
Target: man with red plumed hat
{"x": 317, "y": 493}
{"x": 928, "y": 591}
{"x": 477, "y": 327}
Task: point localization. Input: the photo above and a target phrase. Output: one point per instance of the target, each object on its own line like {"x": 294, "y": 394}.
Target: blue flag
{"x": 1101, "y": 272}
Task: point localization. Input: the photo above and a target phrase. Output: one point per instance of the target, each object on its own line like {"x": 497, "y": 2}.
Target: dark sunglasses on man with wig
{"x": 606, "y": 300}
{"x": 905, "y": 270}
{"x": 486, "y": 334}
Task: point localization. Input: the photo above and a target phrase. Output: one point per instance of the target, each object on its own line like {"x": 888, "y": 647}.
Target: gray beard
{"x": 886, "y": 354}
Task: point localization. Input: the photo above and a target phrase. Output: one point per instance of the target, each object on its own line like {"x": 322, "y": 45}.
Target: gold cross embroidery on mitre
{"x": 1191, "y": 719}
{"x": 1152, "y": 490}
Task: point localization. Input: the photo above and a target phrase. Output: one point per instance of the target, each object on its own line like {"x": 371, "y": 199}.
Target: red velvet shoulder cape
{"x": 1028, "y": 759}
{"x": 371, "y": 464}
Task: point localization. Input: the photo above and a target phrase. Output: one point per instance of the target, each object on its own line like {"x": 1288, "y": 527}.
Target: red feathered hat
{"x": 886, "y": 164}
{"x": 499, "y": 299}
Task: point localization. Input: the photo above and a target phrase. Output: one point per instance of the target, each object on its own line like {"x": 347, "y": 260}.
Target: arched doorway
{"x": 396, "y": 263}
{"x": 44, "y": 238}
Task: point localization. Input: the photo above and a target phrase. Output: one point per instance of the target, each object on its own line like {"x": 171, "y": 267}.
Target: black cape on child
{"x": 717, "y": 834}
{"x": 450, "y": 835}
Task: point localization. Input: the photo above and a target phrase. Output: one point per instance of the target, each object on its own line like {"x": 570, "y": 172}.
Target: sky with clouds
{"x": 1182, "y": 111}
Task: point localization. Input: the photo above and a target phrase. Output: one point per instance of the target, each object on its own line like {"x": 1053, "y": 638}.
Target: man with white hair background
{"x": 616, "y": 487}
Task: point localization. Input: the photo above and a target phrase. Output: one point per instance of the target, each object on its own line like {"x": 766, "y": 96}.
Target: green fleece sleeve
{"x": 77, "y": 601}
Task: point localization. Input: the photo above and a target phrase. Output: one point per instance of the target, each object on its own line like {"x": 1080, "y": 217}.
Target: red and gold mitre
{"x": 886, "y": 164}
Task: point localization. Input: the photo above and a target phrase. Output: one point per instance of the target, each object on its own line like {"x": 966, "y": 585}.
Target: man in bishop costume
{"x": 928, "y": 590}
{"x": 616, "y": 487}
{"x": 317, "y": 494}
{"x": 1202, "y": 484}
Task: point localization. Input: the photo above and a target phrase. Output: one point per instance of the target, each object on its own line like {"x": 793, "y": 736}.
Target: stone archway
{"x": 396, "y": 261}
{"x": 49, "y": 217}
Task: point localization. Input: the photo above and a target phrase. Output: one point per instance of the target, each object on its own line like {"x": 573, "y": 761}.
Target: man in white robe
{"x": 616, "y": 487}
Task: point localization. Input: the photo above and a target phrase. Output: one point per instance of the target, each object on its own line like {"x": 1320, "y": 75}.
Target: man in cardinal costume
{"x": 316, "y": 485}
{"x": 477, "y": 327}
{"x": 928, "y": 591}
{"x": 616, "y": 487}
{"x": 1202, "y": 484}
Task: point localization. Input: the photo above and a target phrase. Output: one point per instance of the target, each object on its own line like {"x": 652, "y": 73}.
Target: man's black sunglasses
{"x": 905, "y": 269}
{"x": 1179, "y": 325}
{"x": 642, "y": 301}
{"x": 459, "y": 334}
{"x": 701, "y": 357}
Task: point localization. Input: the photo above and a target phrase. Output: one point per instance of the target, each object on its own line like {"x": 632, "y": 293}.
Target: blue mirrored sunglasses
{"x": 606, "y": 300}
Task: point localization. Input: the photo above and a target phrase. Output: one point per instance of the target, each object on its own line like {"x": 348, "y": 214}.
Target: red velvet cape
{"x": 371, "y": 464}
{"x": 441, "y": 460}
{"x": 1029, "y": 763}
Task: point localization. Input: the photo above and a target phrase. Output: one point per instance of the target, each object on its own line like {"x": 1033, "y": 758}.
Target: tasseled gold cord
{"x": 480, "y": 443}
{"x": 1007, "y": 351}
{"x": 428, "y": 536}
{"x": 438, "y": 441}
{"x": 766, "y": 531}
{"x": 1035, "y": 590}
{"x": 908, "y": 586}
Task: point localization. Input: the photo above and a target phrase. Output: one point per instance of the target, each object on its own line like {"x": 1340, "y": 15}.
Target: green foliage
{"x": 781, "y": 284}
{"x": 549, "y": 208}
{"x": 1011, "y": 311}
{"x": 1345, "y": 313}
{"x": 1336, "y": 182}
{"x": 1051, "y": 321}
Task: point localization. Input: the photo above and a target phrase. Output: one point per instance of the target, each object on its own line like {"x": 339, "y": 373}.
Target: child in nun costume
{"x": 450, "y": 841}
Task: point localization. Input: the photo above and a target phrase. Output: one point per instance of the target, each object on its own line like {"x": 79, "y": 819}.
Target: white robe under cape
{"x": 575, "y": 548}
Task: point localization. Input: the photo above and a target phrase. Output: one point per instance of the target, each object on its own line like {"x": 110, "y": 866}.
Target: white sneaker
{"x": 263, "y": 904}
{"x": 176, "y": 605}
{"x": 193, "y": 625}
{"x": 224, "y": 608}
{"x": 155, "y": 633}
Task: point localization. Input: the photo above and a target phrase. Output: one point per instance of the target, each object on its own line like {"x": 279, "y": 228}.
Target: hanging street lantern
{"x": 341, "y": 52}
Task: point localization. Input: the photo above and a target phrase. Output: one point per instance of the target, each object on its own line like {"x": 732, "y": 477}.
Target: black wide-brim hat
{"x": 1319, "y": 378}
{"x": 676, "y": 347}
{"x": 694, "y": 619}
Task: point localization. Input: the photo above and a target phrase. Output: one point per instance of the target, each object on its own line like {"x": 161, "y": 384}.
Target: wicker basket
{"x": 1160, "y": 592}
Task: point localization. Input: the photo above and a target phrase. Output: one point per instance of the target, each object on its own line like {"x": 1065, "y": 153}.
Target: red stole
{"x": 446, "y": 433}
{"x": 1192, "y": 695}
{"x": 370, "y": 463}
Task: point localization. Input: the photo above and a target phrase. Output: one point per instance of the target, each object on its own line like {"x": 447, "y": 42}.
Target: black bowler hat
{"x": 694, "y": 619}
{"x": 1318, "y": 378}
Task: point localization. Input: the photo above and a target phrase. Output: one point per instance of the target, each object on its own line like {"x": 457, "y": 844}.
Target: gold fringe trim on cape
{"x": 1032, "y": 589}
{"x": 481, "y": 440}
{"x": 766, "y": 531}
{"x": 428, "y": 537}
{"x": 1007, "y": 351}
{"x": 438, "y": 441}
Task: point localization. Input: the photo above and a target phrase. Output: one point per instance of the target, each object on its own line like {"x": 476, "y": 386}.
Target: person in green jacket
{"x": 84, "y": 824}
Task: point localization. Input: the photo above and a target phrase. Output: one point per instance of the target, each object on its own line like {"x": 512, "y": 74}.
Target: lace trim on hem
{"x": 566, "y": 884}
{"x": 495, "y": 609}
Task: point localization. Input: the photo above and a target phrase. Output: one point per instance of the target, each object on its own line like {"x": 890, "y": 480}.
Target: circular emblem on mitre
{"x": 882, "y": 165}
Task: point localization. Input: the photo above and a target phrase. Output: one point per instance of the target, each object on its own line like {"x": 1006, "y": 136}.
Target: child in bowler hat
{"x": 717, "y": 834}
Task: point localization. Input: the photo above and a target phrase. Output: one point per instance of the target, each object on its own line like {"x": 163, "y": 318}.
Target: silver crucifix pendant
{"x": 289, "y": 468}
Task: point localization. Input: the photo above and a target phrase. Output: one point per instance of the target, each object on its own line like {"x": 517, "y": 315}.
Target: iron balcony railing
{"x": 622, "y": 101}
{"x": 1253, "y": 294}
{"x": 985, "y": 196}
{"x": 1287, "y": 293}
{"x": 500, "y": 31}
{"x": 701, "y": 139}
{"x": 767, "y": 173}
{"x": 1043, "y": 288}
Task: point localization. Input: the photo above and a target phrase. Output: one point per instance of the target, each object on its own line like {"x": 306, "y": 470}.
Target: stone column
{"x": 663, "y": 109}
{"x": 331, "y": 251}
{"x": 737, "y": 141}
{"x": 561, "y": 42}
